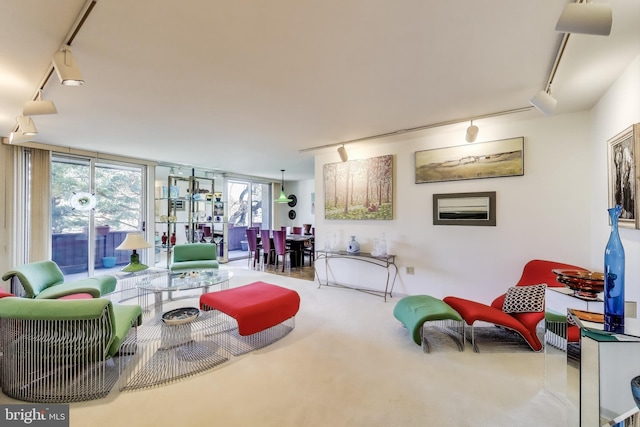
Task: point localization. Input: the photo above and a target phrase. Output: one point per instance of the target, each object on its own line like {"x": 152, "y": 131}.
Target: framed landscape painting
{"x": 624, "y": 161}
{"x": 359, "y": 189}
{"x": 484, "y": 160}
{"x": 465, "y": 208}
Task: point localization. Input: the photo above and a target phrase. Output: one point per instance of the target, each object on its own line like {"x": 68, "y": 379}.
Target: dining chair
{"x": 265, "y": 258}
{"x": 252, "y": 243}
{"x": 280, "y": 247}
{"x": 296, "y": 230}
{"x": 310, "y": 248}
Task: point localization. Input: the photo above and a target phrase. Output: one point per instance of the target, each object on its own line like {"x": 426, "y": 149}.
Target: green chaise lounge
{"x": 44, "y": 279}
{"x": 194, "y": 256}
{"x": 62, "y": 350}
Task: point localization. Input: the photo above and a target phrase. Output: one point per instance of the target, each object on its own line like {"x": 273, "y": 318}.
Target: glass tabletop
{"x": 179, "y": 281}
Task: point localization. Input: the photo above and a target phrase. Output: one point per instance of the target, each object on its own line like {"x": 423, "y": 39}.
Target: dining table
{"x": 296, "y": 243}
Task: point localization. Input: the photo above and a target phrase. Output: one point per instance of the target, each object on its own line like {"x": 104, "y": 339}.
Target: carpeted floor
{"x": 307, "y": 272}
{"x": 348, "y": 362}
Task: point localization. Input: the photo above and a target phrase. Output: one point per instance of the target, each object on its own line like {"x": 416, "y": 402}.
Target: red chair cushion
{"x": 80, "y": 295}
{"x": 6, "y": 294}
{"x": 539, "y": 271}
{"x": 472, "y": 311}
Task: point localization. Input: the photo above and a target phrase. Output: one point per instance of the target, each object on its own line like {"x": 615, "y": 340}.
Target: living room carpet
{"x": 348, "y": 362}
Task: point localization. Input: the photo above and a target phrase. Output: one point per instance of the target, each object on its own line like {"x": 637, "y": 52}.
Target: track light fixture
{"x": 586, "y": 18}
{"x": 283, "y": 197}
{"x": 472, "y": 132}
{"x": 67, "y": 68}
{"x": 39, "y": 106}
{"x": 26, "y": 126}
{"x": 343, "y": 153}
{"x": 544, "y": 102}
{"x": 17, "y": 137}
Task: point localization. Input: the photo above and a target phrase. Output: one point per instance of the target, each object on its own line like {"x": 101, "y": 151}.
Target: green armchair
{"x": 57, "y": 351}
{"x": 44, "y": 279}
{"x": 194, "y": 256}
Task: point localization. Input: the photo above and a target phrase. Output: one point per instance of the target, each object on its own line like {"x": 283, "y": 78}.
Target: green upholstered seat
{"x": 69, "y": 342}
{"x": 44, "y": 279}
{"x": 413, "y": 311}
{"x": 194, "y": 256}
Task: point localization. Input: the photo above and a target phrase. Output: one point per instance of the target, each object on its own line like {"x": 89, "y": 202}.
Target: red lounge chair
{"x": 535, "y": 272}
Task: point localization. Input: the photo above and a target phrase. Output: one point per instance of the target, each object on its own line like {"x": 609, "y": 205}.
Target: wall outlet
{"x": 410, "y": 270}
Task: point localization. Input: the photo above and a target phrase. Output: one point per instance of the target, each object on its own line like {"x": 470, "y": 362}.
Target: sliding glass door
{"x": 94, "y": 204}
{"x": 249, "y": 206}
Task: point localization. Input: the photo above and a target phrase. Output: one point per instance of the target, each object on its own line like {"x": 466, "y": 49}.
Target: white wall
{"x": 544, "y": 214}
{"x": 556, "y": 211}
{"x": 304, "y": 215}
{"x": 617, "y": 109}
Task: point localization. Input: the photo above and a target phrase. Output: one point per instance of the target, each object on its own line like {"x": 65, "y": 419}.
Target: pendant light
{"x": 283, "y": 197}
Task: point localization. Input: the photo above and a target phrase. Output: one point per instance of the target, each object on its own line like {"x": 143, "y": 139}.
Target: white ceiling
{"x": 242, "y": 86}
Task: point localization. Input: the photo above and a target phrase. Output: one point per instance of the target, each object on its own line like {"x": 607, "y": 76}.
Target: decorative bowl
{"x": 180, "y": 316}
{"x": 585, "y": 284}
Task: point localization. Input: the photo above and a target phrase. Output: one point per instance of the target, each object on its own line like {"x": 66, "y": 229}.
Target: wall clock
{"x": 293, "y": 201}
{"x": 292, "y": 214}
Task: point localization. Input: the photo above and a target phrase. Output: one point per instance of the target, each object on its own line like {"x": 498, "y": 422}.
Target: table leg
{"x": 157, "y": 303}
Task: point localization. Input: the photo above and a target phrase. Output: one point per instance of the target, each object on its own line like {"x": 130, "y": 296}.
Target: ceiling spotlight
{"x": 544, "y": 102}
{"x": 26, "y": 126}
{"x": 38, "y": 106}
{"x": 283, "y": 197}
{"x": 67, "y": 68}
{"x": 16, "y": 137}
{"x": 472, "y": 132}
{"x": 586, "y": 18}
{"x": 343, "y": 153}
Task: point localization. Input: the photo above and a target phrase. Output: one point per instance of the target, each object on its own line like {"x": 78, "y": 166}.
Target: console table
{"x": 386, "y": 262}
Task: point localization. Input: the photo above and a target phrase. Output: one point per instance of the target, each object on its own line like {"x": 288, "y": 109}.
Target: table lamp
{"x": 134, "y": 241}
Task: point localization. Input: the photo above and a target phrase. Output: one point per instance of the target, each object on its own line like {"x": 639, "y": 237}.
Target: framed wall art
{"x": 623, "y": 164}
{"x": 472, "y": 161}
{"x": 477, "y": 208}
{"x": 359, "y": 189}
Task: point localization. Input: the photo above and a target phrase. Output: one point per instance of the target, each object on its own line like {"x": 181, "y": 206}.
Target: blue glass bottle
{"x": 614, "y": 277}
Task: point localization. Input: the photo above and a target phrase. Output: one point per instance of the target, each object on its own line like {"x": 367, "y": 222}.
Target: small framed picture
{"x": 218, "y": 209}
{"x": 465, "y": 209}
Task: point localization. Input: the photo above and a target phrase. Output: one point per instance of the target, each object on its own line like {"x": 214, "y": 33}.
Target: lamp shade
{"x": 472, "y": 133}
{"x": 26, "y": 125}
{"x": 66, "y": 68}
{"x": 39, "y": 106}
{"x": 133, "y": 241}
{"x": 17, "y": 137}
{"x": 586, "y": 18}
{"x": 343, "y": 154}
{"x": 283, "y": 196}
{"x": 544, "y": 102}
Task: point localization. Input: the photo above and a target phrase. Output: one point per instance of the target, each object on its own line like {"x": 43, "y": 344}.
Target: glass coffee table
{"x": 170, "y": 282}
{"x": 167, "y": 351}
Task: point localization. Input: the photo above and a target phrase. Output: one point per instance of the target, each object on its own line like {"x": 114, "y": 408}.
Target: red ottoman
{"x": 256, "y": 306}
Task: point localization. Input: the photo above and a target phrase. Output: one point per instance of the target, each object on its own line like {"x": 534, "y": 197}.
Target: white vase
{"x": 353, "y": 247}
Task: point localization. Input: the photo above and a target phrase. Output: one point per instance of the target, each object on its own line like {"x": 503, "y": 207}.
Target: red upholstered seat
{"x": 256, "y": 306}
{"x": 534, "y": 272}
{"x": 81, "y": 295}
{"x": 5, "y": 294}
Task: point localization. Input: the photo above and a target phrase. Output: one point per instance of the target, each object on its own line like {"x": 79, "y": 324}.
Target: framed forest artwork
{"x": 359, "y": 189}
